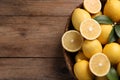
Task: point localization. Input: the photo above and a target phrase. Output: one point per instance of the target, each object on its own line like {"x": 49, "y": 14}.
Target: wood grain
{"x": 23, "y": 36}
{"x": 30, "y": 39}
{"x": 33, "y": 69}
{"x": 38, "y": 7}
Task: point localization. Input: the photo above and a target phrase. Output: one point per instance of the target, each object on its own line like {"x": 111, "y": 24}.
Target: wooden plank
{"x": 33, "y": 69}
{"x": 22, "y": 36}
{"x": 38, "y": 7}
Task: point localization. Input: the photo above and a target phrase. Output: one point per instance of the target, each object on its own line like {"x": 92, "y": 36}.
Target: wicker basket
{"x": 69, "y": 57}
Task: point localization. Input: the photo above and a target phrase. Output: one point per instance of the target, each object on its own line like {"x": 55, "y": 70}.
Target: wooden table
{"x": 30, "y": 39}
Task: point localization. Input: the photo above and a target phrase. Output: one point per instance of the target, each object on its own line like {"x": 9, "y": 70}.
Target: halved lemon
{"x": 99, "y": 64}
{"x": 90, "y": 29}
{"x": 72, "y": 41}
{"x": 92, "y": 6}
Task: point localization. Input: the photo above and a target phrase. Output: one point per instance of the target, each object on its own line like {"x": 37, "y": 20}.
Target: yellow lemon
{"x": 91, "y": 47}
{"x": 104, "y": 36}
{"x": 90, "y": 29}
{"x": 99, "y": 64}
{"x": 72, "y": 41}
{"x": 112, "y": 50}
{"x": 78, "y": 16}
{"x": 112, "y": 10}
{"x": 97, "y": 14}
{"x": 80, "y": 56}
{"x": 82, "y": 71}
{"x": 92, "y": 6}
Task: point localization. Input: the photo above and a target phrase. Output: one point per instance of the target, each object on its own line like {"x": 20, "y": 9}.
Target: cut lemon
{"x": 92, "y": 6}
{"x": 90, "y": 29}
{"x": 72, "y": 41}
{"x": 99, "y": 64}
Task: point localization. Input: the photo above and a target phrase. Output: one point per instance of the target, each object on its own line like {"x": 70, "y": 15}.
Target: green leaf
{"x": 112, "y": 75}
{"x": 112, "y": 37}
{"x": 117, "y": 30}
{"x": 102, "y": 19}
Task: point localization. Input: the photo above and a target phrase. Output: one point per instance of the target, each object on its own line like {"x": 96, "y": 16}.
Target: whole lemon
{"x": 91, "y": 47}
{"x": 112, "y": 10}
{"x": 104, "y": 36}
{"x": 97, "y": 14}
{"x": 78, "y": 16}
{"x": 80, "y": 56}
{"x": 81, "y": 70}
{"x": 112, "y": 50}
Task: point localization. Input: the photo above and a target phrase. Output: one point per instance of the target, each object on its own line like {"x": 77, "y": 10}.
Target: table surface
{"x": 30, "y": 39}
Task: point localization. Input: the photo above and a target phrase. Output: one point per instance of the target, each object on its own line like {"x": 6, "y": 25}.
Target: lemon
{"x": 112, "y": 50}
{"x": 91, "y": 47}
{"x": 112, "y": 9}
{"x": 82, "y": 71}
{"x": 78, "y": 16}
{"x": 90, "y": 29}
{"x": 92, "y": 6}
{"x": 72, "y": 41}
{"x": 99, "y": 64}
{"x": 80, "y": 56}
{"x": 104, "y": 36}
{"x": 97, "y": 14}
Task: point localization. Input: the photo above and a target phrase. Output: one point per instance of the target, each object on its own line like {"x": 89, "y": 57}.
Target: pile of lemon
{"x": 95, "y": 38}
